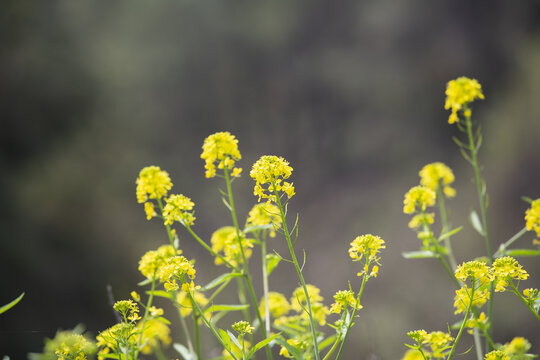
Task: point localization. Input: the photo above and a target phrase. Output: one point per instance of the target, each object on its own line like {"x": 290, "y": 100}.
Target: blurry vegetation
{"x": 351, "y": 93}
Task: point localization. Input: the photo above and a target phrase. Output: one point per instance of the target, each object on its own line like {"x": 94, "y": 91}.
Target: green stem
{"x": 483, "y": 211}
{"x": 462, "y": 323}
{"x": 169, "y": 232}
{"x": 186, "y": 331}
{"x": 478, "y": 344}
{"x": 332, "y": 349}
{"x": 509, "y": 242}
{"x": 146, "y": 310}
{"x": 524, "y": 301}
{"x": 298, "y": 271}
{"x": 247, "y": 275}
{"x": 201, "y": 241}
{"x": 212, "y": 328}
{"x": 197, "y": 333}
{"x": 349, "y": 325}
{"x": 444, "y": 222}
{"x": 265, "y": 285}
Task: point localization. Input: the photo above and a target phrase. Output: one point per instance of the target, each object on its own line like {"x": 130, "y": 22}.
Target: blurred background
{"x": 350, "y": 92}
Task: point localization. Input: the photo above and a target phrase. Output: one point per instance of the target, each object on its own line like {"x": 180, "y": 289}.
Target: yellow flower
{"x": 176, "y": 268}
{"x": 518, "y": 346}
{"x": 435, "y": 175}
{"x": 135, "y": 296}
{"x": 474, "y": 270}
{"x": 506, "y": 269}
{"x": 412, "y": 354}
{"x": 439, "y": 342}
{"x": 344, "y": 299}
{"x": 119, "y": 335}
{"x": 68, "y": 345}
{"x": 152, "y": 183}
{"x": 243, "y": 327}
{"x": 154, "y": 332}
{"x": 153, "y": 260}
{"x": 418, "y": 195}
{"x": 149, "y": 210}
{"x": 421, "y": 219}
{"x": 420, "y": 336}
{"x": 178, "y": 208}
{"x": 221, "y": 147}
{"x": 532, "y": 217}
{"x": 265, "y": 214}
{"x": 271, "y": 171}
{"x": 496, "y": 355}
{"x": 128, "y": 309}
{"x": 236, "y": 350}
{"x": 185, "y": 303}
{"x": 225, "y": 241}
{"x": 463, "y": 298}
{"x": 366, "y": 245}
{"x": 277, "y": 304}
{"x": 459, "y": 93}
{"x": 299, "y": 304}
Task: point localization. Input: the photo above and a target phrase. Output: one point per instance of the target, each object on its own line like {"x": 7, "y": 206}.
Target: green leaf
{"x": 163, "y": 320}
{"x": 536, "y": 305}
{"x": 226, "y": 203}
{"x": 292, "y": 350}
{"x": 182, "y": 350}
{"x": 225, "y": 337}
{"x": 272, "y": 261}
{"x": 527, "y": 199}
{"x": 219, "y": 280}
{"x": 327, "y": 342}
{"x": 521, "y": 252}
{"x": 11, "y": 304}
{"x": 261, "y": 344}
{"x": 475, "y": 221}
{"x": 450, "y": 233}
{"x": 215, "y": 308}
{"x": 234, "y": 339}
{"x": 254, "y": 228}
{"x": 144, "y": 282}
{"x": 423, "y": 254}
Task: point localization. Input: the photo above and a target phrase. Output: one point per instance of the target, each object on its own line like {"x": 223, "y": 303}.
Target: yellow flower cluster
{"x": 413, "y": 354}
{"x": 154, "y": 259}
{"x": 243, "y": 327}
{"x": 121, "y": 335}
{"x": 178, "y": 208}
{"x": 420, "y": 196}
{"x": 154, "y": 332}
{"x": 71, "y": 346}
{"x": 237, "y": 351}
{"x": 532, "y": 217}
{"x": 185, "y": 303}
{"x": 344, "y": 299}
{"x": 265, "y": 214}
{"x": 128, "y": 309}
{"x": 177, "y": 268}
{"x": 221, "y": 147}
{"x": 437, "y": 341}
{"x": 459, "y": 93}
{"x": 463, "y": 298}
{"x": 496, "y": 355}
{"x": 421, "y": 219}
{"x": 506, "y": 269}
{"x": 518, "y": 346}
{"x": 367, "y": 246}
{"x": 435, "y": 175}
{"x": 225, "y": 242}
{"x": 152, "y": 183}
{"x": 271, "y": 171}
{"x": 475, "y": 271}
{"x": 299, "y": 303}
{"x": 277, "y": 304}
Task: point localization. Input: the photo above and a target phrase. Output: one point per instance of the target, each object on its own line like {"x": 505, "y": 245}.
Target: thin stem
{"x": 146, "y": 311}
{"x": 333, "y": 348}
{"x": 197, "y": 333}
{"x": 201, "y": 241}
{"x": 265, "y": 285}
{"x": 462, "y": 323}
{"x": 298, "y": 271}
{"x": 478, "y": 344}
{"x": 524, "y": 301}
{"x": 169, "y": 232}
{"x": 349, "y": 325}
{"x": 444, "y": 223}
{"x": 247, "y": 275}
{"x": 510, "y": 241}
{"x": 186, "y": 331}
{"x": 219, "y": 289}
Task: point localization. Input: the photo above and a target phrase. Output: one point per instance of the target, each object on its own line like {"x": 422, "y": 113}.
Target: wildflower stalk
{"x": 246, "y": 274}
{"x": 480, "y": 188}
{"x": 349, "y": 325}
{"x": 444, "y": 223}
{"x": 146, "y": 310}
{"x": 509, "y": 242}
{"x": 167, "y": 226}
{"x": 298, "y": 270}
{"x": 265, "y": 283}
{"x": 524, "y": 300}
{"x": 186, "y": 331}
{"x": 462, "y": 323}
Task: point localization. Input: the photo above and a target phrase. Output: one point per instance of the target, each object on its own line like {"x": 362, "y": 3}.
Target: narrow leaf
{"x": 262, "y": 344}
{"x": 160, "y": 293}
{"x": 424, "y": 254}
{"x": 225, "y": 337}
{"x": 144, "y": 282}
{"x": 272, "y": 261}
{"x": 522, "y": 252}
{"x": 327, "y": 342}
{"x": 220, "y": 279}
{"x": 182, "y": 350}
{"x": 450, "y": 233}
{"x": 475, "y": 221}
{"x": 226, "y": 203}
{"x": 215, "y": 308}
{"x": 11, "y": 304}
{"x": 258, "y": 227}
{"x": 234, "y": 339}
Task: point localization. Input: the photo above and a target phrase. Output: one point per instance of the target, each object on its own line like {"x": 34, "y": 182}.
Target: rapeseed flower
{"x": 122, "y": 335}
{"x": 128, "y": 309}
{"x": 532, "y": 217}
{"x": 496, "y": 355}
{"x": 152, "y": 183}
{"x": 269, "y": 173}
{"x": 154, "y": 332}
{"x": 243, "y": 327}
{"x": 344, "y": 299}
{"x": 265, "y": 214}
{"x": 421, "y": 219}
{"x": 459, "y": 93}
{"x": 367, "y": 246}
{"x": 225, "y": 241}
{"x": 178, "y": 208}
{"x": 420, "y": 196}
{"x": 154, "y": 259}
{"x": 299, "y": 304}
{"x": 68, "y": 345}
{"x": 475, "y": 271}
{"x": 277, "y": 304}
{"x": 185, "y": 304}
{"x": 506, "y": 269}
{"x": 463, "y": 298}
{"x": 221, "y": 147}
{"x": 436, "y": 175}
{"x": 176, "y": 268}
{"x": 518, "y": 346}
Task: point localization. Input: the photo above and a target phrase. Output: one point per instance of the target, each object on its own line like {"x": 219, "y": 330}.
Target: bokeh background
{"x": 350, "y": 92}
